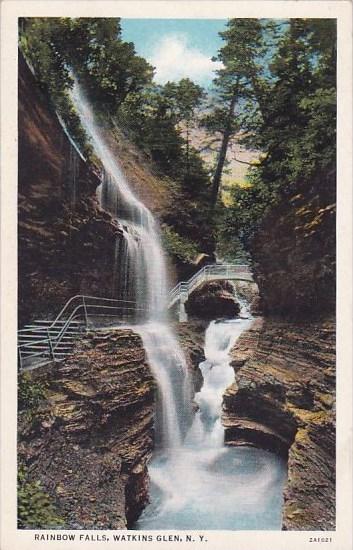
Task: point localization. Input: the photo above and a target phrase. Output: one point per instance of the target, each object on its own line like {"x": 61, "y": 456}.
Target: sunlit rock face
{"x": 283, "y": 400}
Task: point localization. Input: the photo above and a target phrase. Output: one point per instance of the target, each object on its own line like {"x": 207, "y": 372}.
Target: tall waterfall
{"x": 141, "y": 276}
{"x": 197, "y": 482}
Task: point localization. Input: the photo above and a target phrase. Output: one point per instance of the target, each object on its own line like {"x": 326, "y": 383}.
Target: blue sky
{"x": 178, "y": 48}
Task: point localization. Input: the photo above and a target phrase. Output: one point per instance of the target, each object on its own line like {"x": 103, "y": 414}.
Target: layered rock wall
{"x": 66, "y": 242}
{"x": 89, "y": 443}
{"x": 283, "y": 400}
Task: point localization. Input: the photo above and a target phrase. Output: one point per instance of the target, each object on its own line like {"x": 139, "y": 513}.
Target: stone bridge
{"x": 231, "y": 272}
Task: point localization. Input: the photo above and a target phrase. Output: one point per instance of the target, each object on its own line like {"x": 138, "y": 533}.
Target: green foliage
{"x": 299, "y": 108}
{"x": 151, "y": 117}
{"x": 193, "y": 219}
{"x": 93, "y": 50}
{"x": 249, "y": 205}
{"x": 182, "y": 248}
{"x": 36, "y": 509}
{"x": 289, "y": 114}
{"x": 183, "y": 98}
{"x": 230, "y": 247}
{"x": 30, "y": 392}
{"x": 151, "y": 124}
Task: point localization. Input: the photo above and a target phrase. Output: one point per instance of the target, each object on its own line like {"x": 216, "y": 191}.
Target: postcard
{"x": 176, "y": 259}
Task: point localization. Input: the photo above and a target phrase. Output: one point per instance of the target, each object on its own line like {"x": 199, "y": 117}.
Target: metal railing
{"x": 45, "y": 342}
{"x": 210, "y": 273}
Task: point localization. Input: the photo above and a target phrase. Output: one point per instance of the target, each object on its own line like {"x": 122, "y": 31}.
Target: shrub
{"x": 36, "y": 509}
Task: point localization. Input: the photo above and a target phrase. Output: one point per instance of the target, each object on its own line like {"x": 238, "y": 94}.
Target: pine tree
{"x": 235, "y": 84}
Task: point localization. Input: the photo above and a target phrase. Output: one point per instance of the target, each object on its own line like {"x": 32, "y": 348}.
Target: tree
{"x": 156, "y": 118}
{"x": 184, "y": 97}
{"x": 296, "y": 123}
{"x": 91, "y": 48}
{"x": 234, "y": 84}
{"x": 297, "y": 127}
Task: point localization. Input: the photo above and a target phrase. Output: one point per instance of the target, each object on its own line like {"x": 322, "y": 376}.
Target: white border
{"x": 13, "y": 539}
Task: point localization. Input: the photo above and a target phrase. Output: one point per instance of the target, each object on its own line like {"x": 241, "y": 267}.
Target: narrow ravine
{"x": 203, "y": 484}
{"x": 196, "y": 482}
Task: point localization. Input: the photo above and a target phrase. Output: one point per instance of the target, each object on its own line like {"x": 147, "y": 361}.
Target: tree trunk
{"x": 217, "y": 178}
{"x": 187, "y": 152}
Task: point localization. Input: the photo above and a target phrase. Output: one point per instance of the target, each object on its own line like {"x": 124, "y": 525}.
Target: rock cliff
{"x": 283, "y": 400}
{"x": 66, "y": 241}
{"x": 90, "y": 440}
{"x": 293, "y": 252}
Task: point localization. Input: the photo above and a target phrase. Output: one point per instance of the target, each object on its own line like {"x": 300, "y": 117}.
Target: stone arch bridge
{"x": 231, "y": 272}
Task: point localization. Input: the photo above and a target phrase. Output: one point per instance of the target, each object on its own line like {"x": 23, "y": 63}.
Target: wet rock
{"x": 249, "y": 292}
{"x": 283, "y": 400}
{"x": 192, "y": 339}
{"x": 212, "y": 300}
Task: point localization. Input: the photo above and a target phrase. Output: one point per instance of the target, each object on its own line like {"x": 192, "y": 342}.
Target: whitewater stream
{"x": 196, "y": 481}
{"x": 203, "y": 484}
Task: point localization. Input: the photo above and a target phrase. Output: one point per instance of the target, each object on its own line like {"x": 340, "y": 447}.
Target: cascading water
{"x": 197, "y": 482}
{"x": 204, "y": 484}
{"x": 141, "y": 276}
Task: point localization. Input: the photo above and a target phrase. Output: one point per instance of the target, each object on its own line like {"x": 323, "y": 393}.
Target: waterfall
{"x": 204, "y": 484}
{"x": 140, "y": 275}
{"x": 197, "y": 482}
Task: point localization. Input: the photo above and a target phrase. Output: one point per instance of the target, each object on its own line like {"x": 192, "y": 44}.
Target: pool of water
{"x": 203, "y": 484}
{"x": 232, "y": 488}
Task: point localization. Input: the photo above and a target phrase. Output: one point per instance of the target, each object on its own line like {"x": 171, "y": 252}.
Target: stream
{"x": 202, "y": 484}
{"x": 196, "y": 481}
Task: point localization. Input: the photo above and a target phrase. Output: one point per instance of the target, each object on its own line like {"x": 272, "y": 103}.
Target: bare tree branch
{"x": 242, "y": 161}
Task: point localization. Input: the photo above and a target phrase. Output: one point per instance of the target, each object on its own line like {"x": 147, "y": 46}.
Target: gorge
{"x": 156, "y": 400}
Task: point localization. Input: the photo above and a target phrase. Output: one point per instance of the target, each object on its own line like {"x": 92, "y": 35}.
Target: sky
{"x": 177, "y": 48}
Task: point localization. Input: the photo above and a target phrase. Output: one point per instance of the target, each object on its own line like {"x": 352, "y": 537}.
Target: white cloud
{"x": 174, "y": 59}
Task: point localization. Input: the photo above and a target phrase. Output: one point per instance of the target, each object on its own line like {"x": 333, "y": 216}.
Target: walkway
{"x": 231, "y": 272}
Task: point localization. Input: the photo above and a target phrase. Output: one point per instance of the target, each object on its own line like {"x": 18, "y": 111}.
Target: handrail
{"x": 65, "y": 326}
{"x": 82, "y": 296}
{"x": 70, "y": 311}
{"x": 30, "y": 344}
{"x": 228, "y": 270}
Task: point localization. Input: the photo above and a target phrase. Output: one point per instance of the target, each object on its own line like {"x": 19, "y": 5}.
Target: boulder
{"x": 213, "y": 300}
